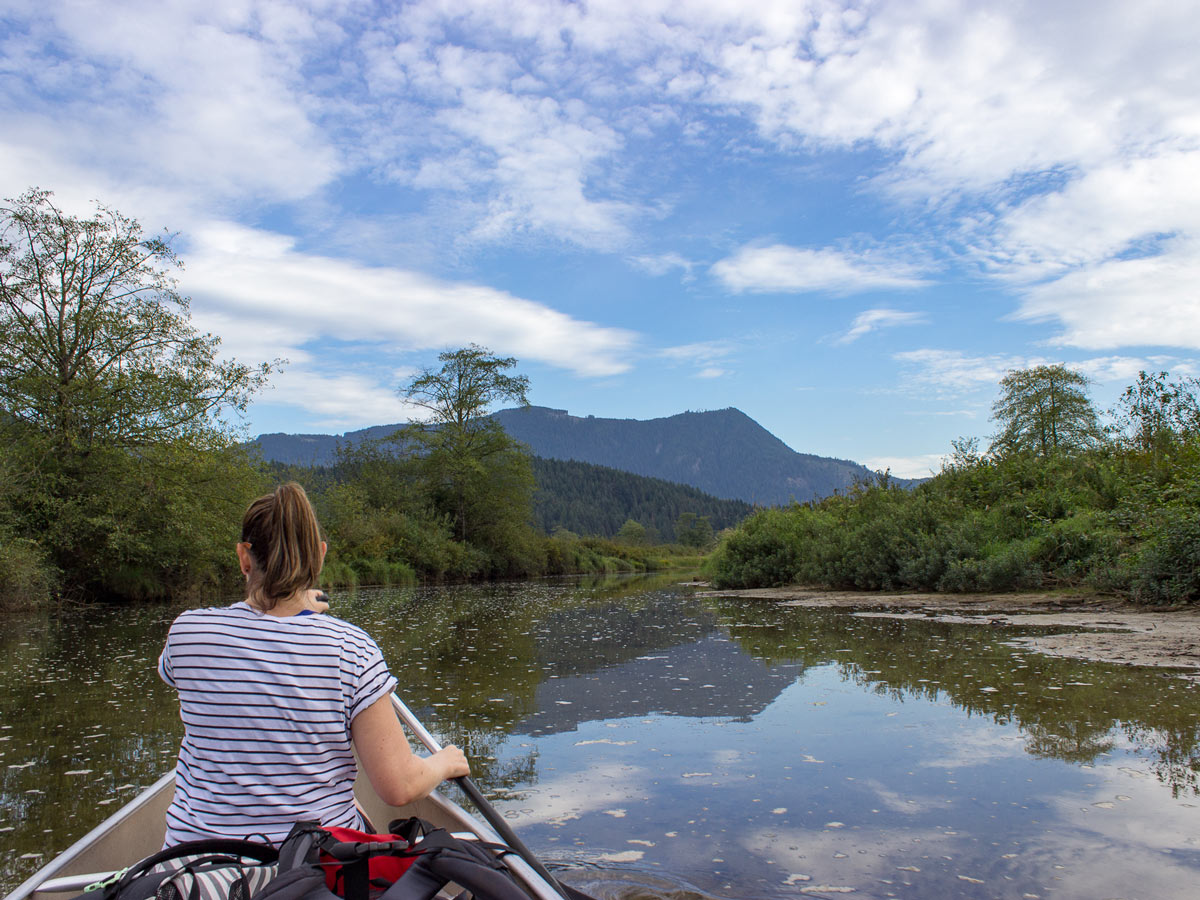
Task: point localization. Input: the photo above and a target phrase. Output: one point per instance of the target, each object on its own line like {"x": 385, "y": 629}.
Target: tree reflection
{"x": 1070, "y": 710}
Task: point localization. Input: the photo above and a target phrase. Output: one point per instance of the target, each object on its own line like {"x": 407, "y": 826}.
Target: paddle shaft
{"x": 488, "y": 811}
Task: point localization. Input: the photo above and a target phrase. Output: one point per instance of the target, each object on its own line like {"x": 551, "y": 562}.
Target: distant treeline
{"x": 1057, "y": 501}
{"x": 589, "y": 499}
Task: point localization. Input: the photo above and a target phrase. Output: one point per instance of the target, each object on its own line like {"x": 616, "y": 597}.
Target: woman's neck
{"x": 292, "y": 605}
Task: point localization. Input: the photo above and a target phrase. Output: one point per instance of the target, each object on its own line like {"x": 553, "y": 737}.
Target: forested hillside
{"x": 724, "y": 452}
{"x": 590, "y": 499}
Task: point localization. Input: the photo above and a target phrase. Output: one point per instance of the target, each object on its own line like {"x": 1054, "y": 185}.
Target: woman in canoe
{"x": 276, "y": 696}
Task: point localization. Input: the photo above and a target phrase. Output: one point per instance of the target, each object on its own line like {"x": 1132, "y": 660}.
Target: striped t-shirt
{"x": 266, "y": 704}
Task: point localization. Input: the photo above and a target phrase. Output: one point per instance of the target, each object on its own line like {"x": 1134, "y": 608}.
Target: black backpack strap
{"x": 223, "y": 848}
{"x": 301, "y": 876}
{"x": 444, "y": 858}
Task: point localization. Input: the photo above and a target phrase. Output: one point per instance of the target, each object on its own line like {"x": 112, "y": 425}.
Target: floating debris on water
{"x": 605, "y": 741}
{"x": 624, "y": 856}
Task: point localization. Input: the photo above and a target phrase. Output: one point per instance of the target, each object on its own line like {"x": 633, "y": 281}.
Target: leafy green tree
{"x": 632, "y": 533}
{"x": 1154, "y": 411}
{"x": 1044, "y": 410}
{"x": 111, "y": 406}
{"x": 693, "y": 531}
{"x": 96, "y": 346}
{"x": 472, "y": 471}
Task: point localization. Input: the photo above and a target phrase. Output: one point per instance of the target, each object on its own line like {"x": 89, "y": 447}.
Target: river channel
{"x": 649, "y": 743}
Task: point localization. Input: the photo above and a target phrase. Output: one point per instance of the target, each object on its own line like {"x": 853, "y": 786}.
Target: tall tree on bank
{"x": 475, "y": 473}
{"x": 111, "y": 404}
{"x": 1153, "y": 413}
{"x": 96, "y": 347}
{"x": 1044, "y": 410}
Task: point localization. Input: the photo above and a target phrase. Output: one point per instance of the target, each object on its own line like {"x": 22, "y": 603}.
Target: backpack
{"x": 209, "y": 869}
{"x": 315, "y": 865}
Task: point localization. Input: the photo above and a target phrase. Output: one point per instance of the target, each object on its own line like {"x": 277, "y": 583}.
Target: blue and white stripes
{"x": 266, "y": 704}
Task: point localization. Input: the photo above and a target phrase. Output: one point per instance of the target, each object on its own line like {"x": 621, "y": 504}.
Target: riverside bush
{"x": 1108, "y": 518}
{"x": 1166, "y": 568}
{"x": 26, "y": 578}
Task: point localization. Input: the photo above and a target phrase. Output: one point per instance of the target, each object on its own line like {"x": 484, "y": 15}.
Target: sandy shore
{"x": 1104, "y": 629}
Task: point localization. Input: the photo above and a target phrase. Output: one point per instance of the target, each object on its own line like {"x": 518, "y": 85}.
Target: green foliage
{"x": 1154, "y": 413}
{"x": 124, "y": 480}
{"x": 450, "y": 499}
{"x": 598, "y": 500}
{"x": 693, "y": 531}
{"x": 1113, "y": 517}
{"x": 1044, "y": 410}
{"x": 470, "y": 469}
{"x": 632, "y": 533}
{"x": 96, "y": 347}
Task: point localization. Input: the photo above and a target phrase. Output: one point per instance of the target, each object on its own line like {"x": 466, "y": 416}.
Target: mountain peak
{"x": 722, "y": 452}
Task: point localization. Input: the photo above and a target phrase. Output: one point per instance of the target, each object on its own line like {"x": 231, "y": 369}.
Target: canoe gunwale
{"x": 86, "y": 843}
{"x": 436, "y": 806}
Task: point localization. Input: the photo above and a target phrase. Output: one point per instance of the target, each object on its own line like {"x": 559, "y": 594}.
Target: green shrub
{"x": 761, "y": 552}
{"x": 1166, "y": 569}
{"x": 26, "y": 578}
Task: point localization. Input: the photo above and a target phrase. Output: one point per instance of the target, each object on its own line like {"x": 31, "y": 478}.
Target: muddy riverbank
{"x": 1105, "y": 629}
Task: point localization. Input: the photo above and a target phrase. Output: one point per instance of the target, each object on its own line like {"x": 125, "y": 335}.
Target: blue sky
{"x": 847, "y": 220}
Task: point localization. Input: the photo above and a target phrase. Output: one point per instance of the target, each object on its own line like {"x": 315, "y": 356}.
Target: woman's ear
{"x": 245, "y": 558}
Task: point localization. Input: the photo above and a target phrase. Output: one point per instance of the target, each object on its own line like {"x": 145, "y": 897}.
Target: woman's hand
{"x": 453, "y": 761}
{"x": 398, "y": 775}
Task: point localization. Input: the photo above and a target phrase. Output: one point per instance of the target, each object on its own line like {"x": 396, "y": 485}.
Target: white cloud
{"x": 1062, "y": 152}
{"x": 875, "y": 319}
{"x": 260, "y": 277}
{"x": 709, "y": 357}
{"x": 920, "y": 466}
{"x": 1123, "y": 370}
{"x": 699, "y": 352}
{"x": 339, "y": 401}
{"x": 783, "y": 269}
{"x": 187, "y": 96}
{"x": 663, "y": 264}
{"x": 269, "y": 300}
{"x": 1152, "y": 301}
{"x": 950, "y": 372}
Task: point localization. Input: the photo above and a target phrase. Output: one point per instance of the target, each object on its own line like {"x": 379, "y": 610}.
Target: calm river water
{"x": 655, "y": 744}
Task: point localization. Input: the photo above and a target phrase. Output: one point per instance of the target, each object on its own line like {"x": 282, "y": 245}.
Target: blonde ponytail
{"x": 285, "y": 543}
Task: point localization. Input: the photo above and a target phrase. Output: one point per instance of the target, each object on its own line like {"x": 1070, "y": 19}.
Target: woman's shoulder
{"x": 326, "y": 622}
{"x": 239, "y": 610}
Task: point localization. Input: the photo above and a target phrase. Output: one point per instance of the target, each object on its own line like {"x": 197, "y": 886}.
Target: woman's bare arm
{"x": 398, "y": 775}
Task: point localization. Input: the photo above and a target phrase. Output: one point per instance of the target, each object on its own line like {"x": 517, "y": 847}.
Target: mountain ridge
{"x": 723, "y": 452}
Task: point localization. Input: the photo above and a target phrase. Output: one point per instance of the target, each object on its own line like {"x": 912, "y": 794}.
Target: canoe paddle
{"x": 488, "y": 811}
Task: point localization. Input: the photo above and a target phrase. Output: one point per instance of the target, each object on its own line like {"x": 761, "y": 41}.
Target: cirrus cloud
{"x": 779, "y": 268}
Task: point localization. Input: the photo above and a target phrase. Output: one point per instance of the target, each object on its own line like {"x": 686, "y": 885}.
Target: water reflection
{"x": 662, "y": 745}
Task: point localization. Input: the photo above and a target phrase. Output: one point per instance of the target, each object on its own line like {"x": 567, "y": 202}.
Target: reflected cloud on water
{"x": 662, "y": 745}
